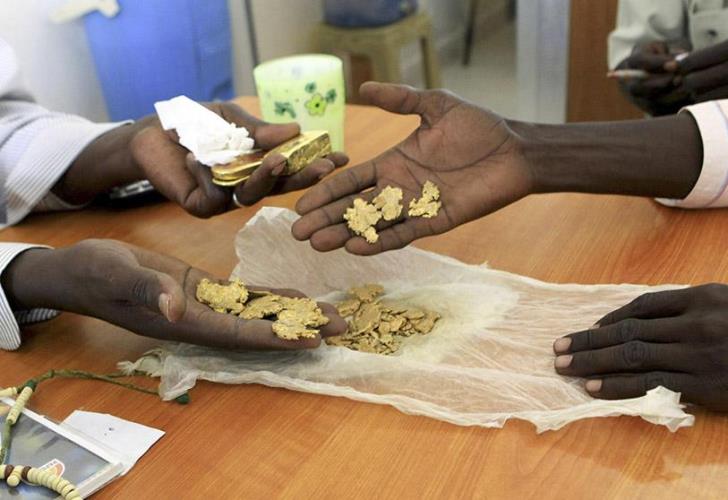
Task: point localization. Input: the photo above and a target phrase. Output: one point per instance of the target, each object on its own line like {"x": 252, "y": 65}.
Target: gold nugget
{"x": 389, "y": 202}
{"x": 377, "y": 327}
{"x": 293, "y": 318}
{"x": 428, "y": 205}
{"x": 361, "y": 219}
{"x": 223, "y": 298}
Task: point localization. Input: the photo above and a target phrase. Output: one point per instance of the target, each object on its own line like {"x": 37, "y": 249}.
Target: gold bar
{"x": 299, "y": 152}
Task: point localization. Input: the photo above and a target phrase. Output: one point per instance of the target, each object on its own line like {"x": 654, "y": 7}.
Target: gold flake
{"x": 293, "y": 330}
{"x": 222, "y": 298}
{"x": 379, "y": 327}
{"x": 292, "y": 317}
{"x": 367, "y": 293}
{"x": 261, "y": 307}
{"x": 389, "y": 202}
{"x": 361, "y": 219}
{"x": 428, "y": 205}
{"x": 348, "y": 307}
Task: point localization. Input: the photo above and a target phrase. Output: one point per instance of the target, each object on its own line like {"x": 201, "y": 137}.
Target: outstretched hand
{"x": 468, "y": 152}
{"x": 145, "y": 292}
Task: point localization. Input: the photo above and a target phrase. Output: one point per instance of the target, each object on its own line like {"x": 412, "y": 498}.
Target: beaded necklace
{"x": 14, "y": 474}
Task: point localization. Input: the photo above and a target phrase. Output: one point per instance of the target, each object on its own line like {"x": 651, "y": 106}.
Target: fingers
{"x": 650, "y": 62}
{"x": 698, "y": 82}
{"x": 629, "y": 330}
{"x": 165, "y": 163}
{"x": 406, "y": 100}
{"x": 268, "y": 136}
{"x": 651, "y": 305}
{"x": 329, "y": 215}
{"x": 396, "y": 98}
{"x": 336, "y": 325}
{"x": 634, "y": 386}
{"x": 317, "y": 170}
{"x": 231, "y": 332}
{"x": 206, "y": 199}
{"x": 351, "y": 181}
{"x": 631, "y": 357}
{"x": 704, "y": 58}
{"x": 262, "y": 181}
{"x": 651, "y": 86}
{"x": 392, "y": 238}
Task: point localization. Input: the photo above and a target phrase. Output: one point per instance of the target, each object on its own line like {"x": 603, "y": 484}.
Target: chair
{"x": 382, "y": 46}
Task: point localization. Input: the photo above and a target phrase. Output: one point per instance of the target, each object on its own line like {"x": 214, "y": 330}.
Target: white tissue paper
{"x": 488, "y": 359}
{"x": 206, "y": 134}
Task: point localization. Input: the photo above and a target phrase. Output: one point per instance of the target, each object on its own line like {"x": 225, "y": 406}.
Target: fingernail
{"x": 562, "y": 345}
{"x": 670, "y": 66}
{"x": 563, "y": 361}
{"x": 593, "y": 385}
{"x": 278, "y": 169}
{"x": 164, "y": 300}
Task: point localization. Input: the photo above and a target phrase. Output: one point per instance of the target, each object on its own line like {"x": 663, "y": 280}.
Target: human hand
{"x": 703, "y": 74}
{"x": 675, "y": 339}
{"x": 148, "y": 293}
{"x": 469, "y": 152}
{"x": 144, "y": 151}
{"x": 658, "y": 94}
{"x": 176, "y": 174}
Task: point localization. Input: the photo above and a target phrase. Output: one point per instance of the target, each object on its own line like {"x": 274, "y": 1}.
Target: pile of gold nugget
{"x": 362, "y": 216}
{"x": 379, "y": 327}
{"x": 293, "y": 318}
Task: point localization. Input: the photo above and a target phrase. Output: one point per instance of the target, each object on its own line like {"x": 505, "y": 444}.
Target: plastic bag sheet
{"x": 488, "y": 359}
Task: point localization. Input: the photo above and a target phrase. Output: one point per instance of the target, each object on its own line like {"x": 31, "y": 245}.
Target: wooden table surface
{"x": 259, "y": 442}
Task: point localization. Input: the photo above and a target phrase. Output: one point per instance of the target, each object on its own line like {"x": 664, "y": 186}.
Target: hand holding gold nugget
{"x": 292, "y": 317}
{"x": 462, "y": 162}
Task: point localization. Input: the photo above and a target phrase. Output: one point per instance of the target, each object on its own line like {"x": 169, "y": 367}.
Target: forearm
{"x": 657, "y": 158}
{"x": 104, "y": 164}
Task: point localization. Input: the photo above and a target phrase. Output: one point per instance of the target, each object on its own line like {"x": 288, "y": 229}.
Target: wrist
{"x": 105, "y": 163}
{"x": 29, "y": 279}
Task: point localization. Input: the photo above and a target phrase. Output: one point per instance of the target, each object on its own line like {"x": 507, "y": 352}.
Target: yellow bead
{"x": 14, "y": 479}
{"x": 9, "y": 392}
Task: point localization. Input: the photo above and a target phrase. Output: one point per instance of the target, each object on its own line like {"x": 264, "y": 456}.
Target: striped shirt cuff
{"x": 51, "y": 145}
{"x": 711, "y": 189}
{"x": 10, "y": 321}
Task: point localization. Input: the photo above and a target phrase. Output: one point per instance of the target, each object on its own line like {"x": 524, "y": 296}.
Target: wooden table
{"x": 258, "y": 442}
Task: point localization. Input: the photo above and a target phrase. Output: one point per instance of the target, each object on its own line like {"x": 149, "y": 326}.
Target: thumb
{"x": 268, "y": 136}
{"x": 157, "y": 291}
{"x": 396, "y": 98}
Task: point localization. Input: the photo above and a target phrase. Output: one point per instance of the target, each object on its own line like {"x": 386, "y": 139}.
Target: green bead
{"x": 183, "y": 399}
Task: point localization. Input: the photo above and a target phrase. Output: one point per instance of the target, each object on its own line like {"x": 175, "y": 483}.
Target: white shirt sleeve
{"x": 36, "y": 146}
{"x": 10, "y": 320}
{"x": 711, "y": 189}
{"x": 642, "y": 21}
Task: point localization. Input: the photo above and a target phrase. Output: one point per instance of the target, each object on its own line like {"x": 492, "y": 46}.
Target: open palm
{"x": 468, "y": 152}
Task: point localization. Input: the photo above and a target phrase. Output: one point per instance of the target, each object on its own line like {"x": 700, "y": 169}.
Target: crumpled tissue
{"x": 206, "y": 134}
{"x": 489, "y": 358}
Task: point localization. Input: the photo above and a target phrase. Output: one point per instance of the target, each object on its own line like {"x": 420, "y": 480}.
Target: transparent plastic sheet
{"x": 488, "y": 359}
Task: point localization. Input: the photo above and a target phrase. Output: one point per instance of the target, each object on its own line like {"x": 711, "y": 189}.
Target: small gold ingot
{"x": 299, "y": 152}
